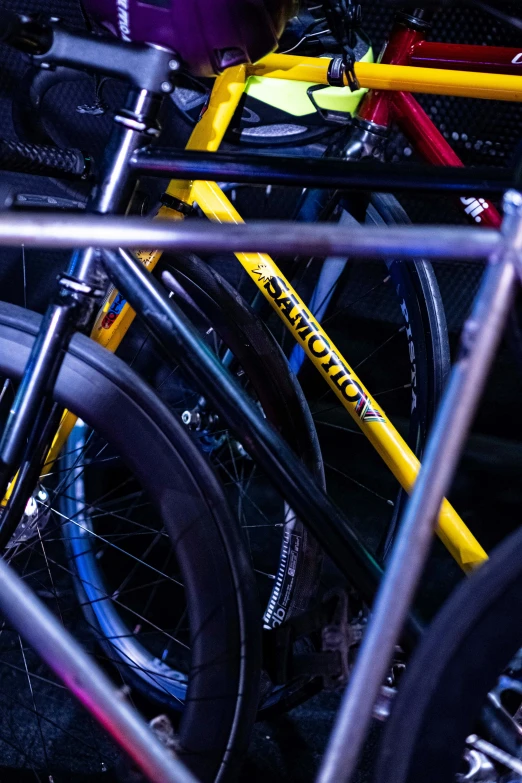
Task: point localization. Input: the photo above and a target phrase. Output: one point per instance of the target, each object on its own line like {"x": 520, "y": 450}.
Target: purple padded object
{"x": 208, "y": 35}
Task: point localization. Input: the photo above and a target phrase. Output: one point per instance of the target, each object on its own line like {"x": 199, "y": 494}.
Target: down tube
{"x": 338, "y": 374}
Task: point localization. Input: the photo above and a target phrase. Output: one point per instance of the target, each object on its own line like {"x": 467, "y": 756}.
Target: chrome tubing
{"x": 86, "y": 680}
{"x": 202, "y": 236}
{"x": 479, "y": 341}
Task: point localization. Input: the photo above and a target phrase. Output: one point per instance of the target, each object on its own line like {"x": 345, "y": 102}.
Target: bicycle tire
{"x": 424, "y": 316}
{"x": 424, "y": 282}
{"x": 222, "y": 693}
{"x": 471, "y": 641}
{"x": 417, "y": 281}
{"x": 205, "y": 294}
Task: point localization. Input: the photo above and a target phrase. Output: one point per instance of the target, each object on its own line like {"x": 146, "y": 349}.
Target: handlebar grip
{"x": 44, "y": 160}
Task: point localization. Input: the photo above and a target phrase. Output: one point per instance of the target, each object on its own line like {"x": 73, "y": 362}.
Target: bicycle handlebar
{"x": 44, "y": 160}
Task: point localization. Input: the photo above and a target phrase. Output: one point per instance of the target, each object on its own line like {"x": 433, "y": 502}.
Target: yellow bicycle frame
{"x": 116, "y": 315}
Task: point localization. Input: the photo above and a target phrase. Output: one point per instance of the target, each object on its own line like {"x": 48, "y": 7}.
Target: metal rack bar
{"x": 71, "y": 231}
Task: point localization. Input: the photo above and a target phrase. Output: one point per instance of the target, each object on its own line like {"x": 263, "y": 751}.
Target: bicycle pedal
{"x": 337, "y": 637}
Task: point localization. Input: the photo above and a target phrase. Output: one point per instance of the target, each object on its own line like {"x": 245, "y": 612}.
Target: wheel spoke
{"x": 338, "y": 427}
{"x": 36, "y": 712}
{"x": 359, "y": 299}
{"x": 393, "y": 389}
{"x": 358, "y": 483}
{"x": 379, "y": 347}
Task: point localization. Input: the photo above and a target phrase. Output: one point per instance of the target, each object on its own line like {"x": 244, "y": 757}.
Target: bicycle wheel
{"x": 285, "y": 558}
{"x": 473, "y": 641}
{"x": 140, "y": 470}
{"x": 388, "y": 320}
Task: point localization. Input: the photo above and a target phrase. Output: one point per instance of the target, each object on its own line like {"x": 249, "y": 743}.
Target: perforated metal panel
{"x": 486, "y": 132}
{"x": 480, "y": 132}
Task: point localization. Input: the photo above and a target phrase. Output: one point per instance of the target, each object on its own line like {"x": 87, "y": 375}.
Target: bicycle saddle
{"x": 208, "y": 35}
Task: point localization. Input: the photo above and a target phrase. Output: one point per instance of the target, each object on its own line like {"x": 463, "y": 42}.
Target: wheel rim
{"x": 124, "y": 643}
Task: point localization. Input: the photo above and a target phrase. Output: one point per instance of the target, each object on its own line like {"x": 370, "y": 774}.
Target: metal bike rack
{"x": 67, "y": 231}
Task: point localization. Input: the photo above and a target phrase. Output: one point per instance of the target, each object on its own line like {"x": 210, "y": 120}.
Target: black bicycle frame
{"x": 81, "y": 289}
{"x": 328, "y": 172}
{"x": 169, "y": 325}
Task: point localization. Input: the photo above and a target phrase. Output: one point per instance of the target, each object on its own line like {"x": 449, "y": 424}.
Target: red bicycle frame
{"x": 407, "y": 46}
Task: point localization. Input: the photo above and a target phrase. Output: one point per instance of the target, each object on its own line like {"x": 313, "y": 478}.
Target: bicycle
{"x": 294, "y": 574}
{"x": 218, "y": 205}
{"x": 313, "y": 508}
{"x": 465, "y": 243}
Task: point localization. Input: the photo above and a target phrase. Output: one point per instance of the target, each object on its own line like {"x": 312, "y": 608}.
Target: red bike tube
{"x": 407, "y": 46}
{"x": 458, "y": 57}
{"x": 376, "y": 106}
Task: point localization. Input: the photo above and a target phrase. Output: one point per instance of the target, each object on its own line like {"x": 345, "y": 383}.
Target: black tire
{"x": 421, "y": 305}
{"x": 427, "y": 308}
{"x": 470, "y": 643}
{"x": 222, "y": 693}
{"x": 214, "y": 305}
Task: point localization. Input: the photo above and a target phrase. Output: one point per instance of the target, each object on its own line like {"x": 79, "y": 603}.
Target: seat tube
{"x": 375, "y": 112}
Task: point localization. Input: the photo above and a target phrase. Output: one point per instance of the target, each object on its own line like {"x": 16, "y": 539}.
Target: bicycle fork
{"x": 33, "y": 420}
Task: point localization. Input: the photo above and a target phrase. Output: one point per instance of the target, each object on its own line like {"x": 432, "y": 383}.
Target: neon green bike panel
{"x": 291, "y": 97}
